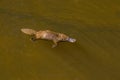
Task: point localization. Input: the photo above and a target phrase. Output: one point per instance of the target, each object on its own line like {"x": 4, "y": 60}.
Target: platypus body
{"x": 48, "y": 35}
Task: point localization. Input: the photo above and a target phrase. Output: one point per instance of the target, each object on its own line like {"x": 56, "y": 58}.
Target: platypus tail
{"x": 28, "y": 31}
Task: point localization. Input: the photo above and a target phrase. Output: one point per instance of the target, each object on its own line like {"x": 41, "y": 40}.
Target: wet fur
{"x": 46, "y": 34}
{"x": 50, "y": 35}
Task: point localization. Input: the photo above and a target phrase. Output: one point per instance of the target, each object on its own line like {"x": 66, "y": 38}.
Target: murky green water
{"x": 95, "y": 25}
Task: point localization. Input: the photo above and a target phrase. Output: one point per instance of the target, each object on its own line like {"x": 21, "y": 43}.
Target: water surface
{"x": 95, "y": 25}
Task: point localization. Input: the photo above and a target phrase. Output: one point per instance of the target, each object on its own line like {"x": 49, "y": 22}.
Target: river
{"x": 94, "y": 24}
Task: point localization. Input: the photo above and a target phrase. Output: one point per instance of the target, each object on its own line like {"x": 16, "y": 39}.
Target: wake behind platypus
{"x": 48, "y": 35}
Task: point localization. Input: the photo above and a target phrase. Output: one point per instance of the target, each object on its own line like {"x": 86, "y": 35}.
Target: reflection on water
{"x": 95, "y": 25}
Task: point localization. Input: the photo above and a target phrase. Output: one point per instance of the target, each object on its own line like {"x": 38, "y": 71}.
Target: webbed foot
{"x": 54, "y": 45}
{"x": 32, "y": 39}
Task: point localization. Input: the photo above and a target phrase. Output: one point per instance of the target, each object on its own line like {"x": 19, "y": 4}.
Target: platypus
{"x": 48, "y": 35}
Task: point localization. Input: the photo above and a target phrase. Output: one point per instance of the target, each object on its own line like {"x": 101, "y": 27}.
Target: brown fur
{"x": 48, "y": 35}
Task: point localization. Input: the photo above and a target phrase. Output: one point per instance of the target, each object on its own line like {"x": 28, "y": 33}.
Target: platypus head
{"x": 71, "y": 40}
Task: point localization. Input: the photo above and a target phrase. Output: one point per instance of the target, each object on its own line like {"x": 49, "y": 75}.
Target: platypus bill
{"x": 48, "y": 35}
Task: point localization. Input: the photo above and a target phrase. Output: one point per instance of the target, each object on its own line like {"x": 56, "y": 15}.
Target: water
{"x": 94, "y": 56}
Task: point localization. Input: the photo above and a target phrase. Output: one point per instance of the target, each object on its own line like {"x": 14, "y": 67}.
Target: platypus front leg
{"x": 55, "y": 43}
